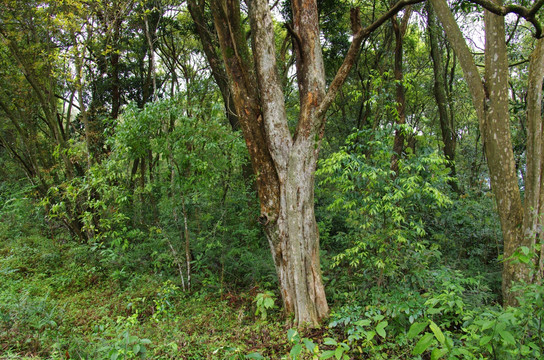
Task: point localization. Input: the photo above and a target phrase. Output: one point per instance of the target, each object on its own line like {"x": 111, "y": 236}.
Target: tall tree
{"x": 285, "y": 163}
{"x": 399, "y": 29}
{"x": 209, "y": 45}
{"x": 519, "y": 220}
{"x": 447, "y": 126}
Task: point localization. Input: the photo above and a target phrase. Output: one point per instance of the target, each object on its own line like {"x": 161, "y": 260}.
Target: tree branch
{"x": 359, "y": 34}
{"x": 269, "y": 84}
{"x": 463, "y": 53}
{"x": 527, "y": 14}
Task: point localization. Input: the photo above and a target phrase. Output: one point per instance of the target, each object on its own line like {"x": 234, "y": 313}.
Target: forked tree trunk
{"x": 284, "y": 166}
{"x": 285, "y": 163}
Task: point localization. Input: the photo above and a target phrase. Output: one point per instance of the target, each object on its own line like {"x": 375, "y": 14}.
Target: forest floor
{"x": 57, "y": 302}
{"x": 70, "y": 311}
{"x": 60, "y": 299}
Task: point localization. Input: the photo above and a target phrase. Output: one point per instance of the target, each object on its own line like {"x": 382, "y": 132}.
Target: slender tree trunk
{"x": 82, "y": 107}
{"x": 498, "y": 149}
{"x": 399, "y": 30}
{"x": 187, "y": 243}
{"x": 149, "y": 39}
{"x": 446, "y": 120}
{"x": 491, "y": 103}
{"x": 533, "y": 217}
{"x": 114, "y": 72}
{"x": 196, "y": 9}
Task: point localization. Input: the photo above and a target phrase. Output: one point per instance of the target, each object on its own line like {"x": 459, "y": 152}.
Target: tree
{"x": 399, "y": 29}
{"x": 490, "y": 94}
{"x": 284, "y": 163}
{"x": 445, "y": 113}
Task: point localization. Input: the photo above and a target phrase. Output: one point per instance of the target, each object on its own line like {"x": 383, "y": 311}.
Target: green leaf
{"x": 485, "y": 339}
{"x": 380, "y": 328}
{"x": 415, "y": 329}
{"x": 487, "y": 324}
{"x": 268, "y": 302}
{"x": 423, "y": 344}
{"x": 364, "y": 322}
{"x": 507, "y": 337}
{"x": 330, "y": 341}
{"x": 438, "y": 353}
{"x": 291, "y": 333}
{"x": 309, "y": 344}
{"x": 136, "y": 349}
{"x": 338, "y": 353}
{"x": 437, "y": 333}
{"x": 327, "y": 354}
{"x": 463, "y": 352}
{"x": 132, "y": 339}
{"x": 254, "y": 355}
{"x": 295, "y": 351}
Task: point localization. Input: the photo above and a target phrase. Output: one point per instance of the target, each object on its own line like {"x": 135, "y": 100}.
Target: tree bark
{"x": 196, "y": 9}
{"x": 399, "y": 29}
{"x": 490, "y": 98}
{"x": 498, "y": 150}
{"x": 284, "y": 170}
{"x": 447, "y": 126}
{"x": 533, "y": 217}
{"x": 285, "y": 164}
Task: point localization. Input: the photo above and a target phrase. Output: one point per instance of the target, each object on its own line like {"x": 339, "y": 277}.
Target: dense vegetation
{"x": 130, "y": 220}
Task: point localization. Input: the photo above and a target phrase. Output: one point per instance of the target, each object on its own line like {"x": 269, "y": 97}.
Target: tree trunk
{"x": 196, "y": 9}
{"x": 285, "y": 169}
{"x": 285, "y": 164}
{"x": 114, "y": 73}
{"x": 399, "y": 29}
{"x": 491, "y": 103}
{"x": 446, "y": 120}
{"x": 498, "y": 149}
{"x": 294, "y": 239}
{"x": 533, "y": 217}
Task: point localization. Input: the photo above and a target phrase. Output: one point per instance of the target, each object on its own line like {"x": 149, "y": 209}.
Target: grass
{"x": 67, "y": 310}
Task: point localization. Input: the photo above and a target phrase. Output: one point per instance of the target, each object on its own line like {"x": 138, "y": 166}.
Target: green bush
{"x": 386, "y": 224}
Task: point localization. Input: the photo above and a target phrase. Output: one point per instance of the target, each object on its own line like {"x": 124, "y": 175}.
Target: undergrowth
{"x": 62, "y": 299}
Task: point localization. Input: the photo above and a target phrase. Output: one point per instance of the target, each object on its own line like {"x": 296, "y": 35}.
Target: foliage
{"x": 117, "y": 341}
{"x": 386, "y": 219}
{"x": 264, "y": 302}
{"x": 110, "y": 201}
{"x": 304, "y": 345}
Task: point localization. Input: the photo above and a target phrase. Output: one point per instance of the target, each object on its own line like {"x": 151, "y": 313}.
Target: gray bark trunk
{"x": 294, "y": 239}
{"x": 533, "y": 217}
{"x": 498, "y": 150}
{"x": 491, "y": 103}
